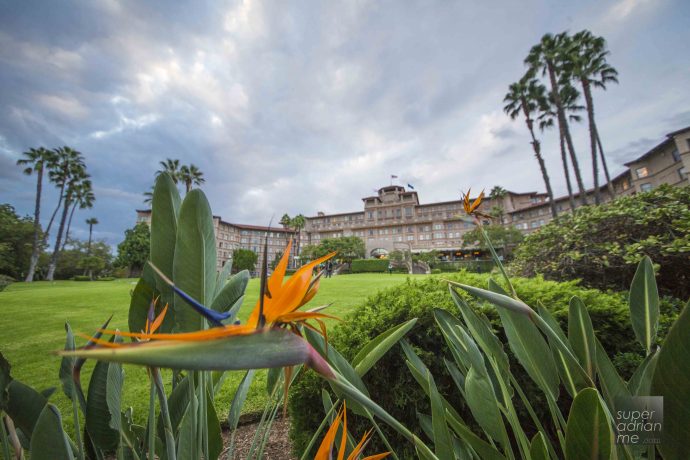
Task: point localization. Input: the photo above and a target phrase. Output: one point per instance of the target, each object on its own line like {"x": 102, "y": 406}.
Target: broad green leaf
{"x": 481, "y": 399}
{"x": 239, "y": 398}
{"x": 581, "y": 335}
{"x": 165, "y": 210}
{"x": 97, "y": 415}
{"x": 589, "y": 435}
{"x": 187, "y": 435}
{"x": 49, "y": 440}
{"x": 272, "y": 378}
{"x": 231, "y": 293}
{"x": 194, "y": 266}
{"x": 538, "y": 449}
{"x": 443, "y": 447}
{"x": 672, "y": 381}
{"x": 611, "y": 383}
{"x": 481, "y": 447}
{"x": 528, "y": 345}
{"x": 142, "y": 296}
{"x": 223, "y": 277}
{"x": 115, "y": 381}
{"x": 24, "y": 406}
{"x": 571, "y": 378}
{"x": 480, "y": 330}
{"x": 644, "y": 304}
{"x": 215, "y": 437}
{"x": 67, "y": 364}
{"x": 259, "y": 350}
{"x": 374, "y": 350}
{"x": 497, "y": 298}
{"x": 426, "y": 424}
{"x": 641, "y": 381}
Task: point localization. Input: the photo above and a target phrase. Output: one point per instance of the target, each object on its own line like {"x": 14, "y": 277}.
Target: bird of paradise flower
{"x": 326, "y": 447}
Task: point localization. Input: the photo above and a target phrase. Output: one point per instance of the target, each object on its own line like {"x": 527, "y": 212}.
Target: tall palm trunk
{"x": 569, "y": 185}
{"x": 537, "y": 153}
{"x": 88, "y": 246}
{"x": 609, "y": 183}
{"x": 592, "y": 138}
{"x": 69, "y": 223}
{"x": 58, "y": 240}
{"x": 57, "y": 208}
{"x": 565, "y": 132}
{"x": 36, "y": 248}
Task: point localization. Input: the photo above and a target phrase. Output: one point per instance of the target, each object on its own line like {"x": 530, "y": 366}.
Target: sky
{"x": 309, "y": 106}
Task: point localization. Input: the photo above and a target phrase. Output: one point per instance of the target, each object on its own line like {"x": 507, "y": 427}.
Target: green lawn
{"x": 32, "y": 318}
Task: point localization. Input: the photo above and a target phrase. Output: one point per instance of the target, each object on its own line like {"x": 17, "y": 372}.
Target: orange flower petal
{"x": 275, "y": 281}
{"x": 158, "y": 321}
{"x": 208, "y": 334}
{"x": 324, "y": 452}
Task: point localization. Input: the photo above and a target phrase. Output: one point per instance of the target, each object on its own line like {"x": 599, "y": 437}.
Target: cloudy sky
{"x": 308, "y": 106}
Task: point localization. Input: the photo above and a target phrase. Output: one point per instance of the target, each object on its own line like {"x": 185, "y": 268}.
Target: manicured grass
{"x": 32, "y": 318}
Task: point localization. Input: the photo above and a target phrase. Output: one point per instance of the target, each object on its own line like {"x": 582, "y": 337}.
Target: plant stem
{"x": 381, "y": 435}
{"x": 167, "y": 425}
{"x": 75, "y": 414}
{"x": 3, "y": 438}
{"x": 497, "y": 261}
{"x": 152, "y": 420}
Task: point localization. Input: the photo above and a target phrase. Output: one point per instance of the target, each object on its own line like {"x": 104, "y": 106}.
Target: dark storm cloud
{"x": 307, "y": 106}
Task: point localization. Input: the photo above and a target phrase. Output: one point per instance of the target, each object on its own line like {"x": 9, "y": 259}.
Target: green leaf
{"x": 231, "y": 293}
{"x": 538, "y": 449}
{"x": 67, "y": 364}
{"x": 142, "y": 296}
{"x": 239, "y": 399}
{"x": 374, "y": 350}
{"x": 24, "y": 406}
{"x": 581, "y": 335}
{"x": 223, "y": 277}
{"x": 272, "y": 378}
{"x": 481, "y": 447}
{"x": 115, "y": 381}
{"x": 194, "y": 265}
{"x": 641, "y": 381}
{"x": 611, "y": 383}
{"x": 262, "y": 349}
{"x": 165, "y": 210}
{"x": 443, "y": 446}
{"x": 187, "y": 436}
{"x": 97, "y": 414}
{"x": 588, "y": 433}
{"x": 481, "y": 399}
{"x": 215, "y": 437}
{"x": 672, "y": 381}
{"x": 644, "y": 304}
{"x": 49, "y": 440}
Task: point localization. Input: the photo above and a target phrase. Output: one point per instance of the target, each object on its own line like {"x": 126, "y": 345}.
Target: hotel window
{"x": 438, "y": 235}
{"x": 410, "y": 229}
{"x": 408, "y": 212}
{"x": 398, "y": 238}
{"x": 427, "y": 228}
{"x": 370, "y": 214}
{"x": 534, "y": 224}
{"x": 646, "y": 187}
{"x": 371, "y": 232}
{"x": 379, "y": 214}
{"x": 682, "y": 173}
{"x": 642, "y": 172}
{"x": 438, "y": 226}
{"x": 398, "y": 213}
{"x": 410, "y": 237}
{"x": 675, "y": 155}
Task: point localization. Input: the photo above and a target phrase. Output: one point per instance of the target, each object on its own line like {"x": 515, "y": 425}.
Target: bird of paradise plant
{"x": 326, "y": 448}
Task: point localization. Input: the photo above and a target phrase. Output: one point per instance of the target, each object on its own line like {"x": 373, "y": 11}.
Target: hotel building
{"x": 394, "y": 218}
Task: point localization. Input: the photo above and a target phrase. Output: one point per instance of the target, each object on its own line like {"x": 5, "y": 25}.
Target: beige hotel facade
{"x": 394, "y": 218}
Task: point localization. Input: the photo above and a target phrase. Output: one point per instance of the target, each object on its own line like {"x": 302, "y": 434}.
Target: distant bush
{"x": 5, "y": 281}
{"x": 106, "y": 278}
{"x": 81, "y": 278}
{"x": 121, "y": 272}
{"x": 601, "y": 245}
{"x": 369, "y": 265}
{"x": 436, "y": 271}
{"x": 391, "y": 384}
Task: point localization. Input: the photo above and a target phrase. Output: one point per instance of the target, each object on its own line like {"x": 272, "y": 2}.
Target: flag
{"x": 393, "y": 176}
{"x": 410, "y": 186}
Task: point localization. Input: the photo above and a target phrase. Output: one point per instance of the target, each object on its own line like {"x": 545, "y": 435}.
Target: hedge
{"x": 392, "y": 386}
{"x": 369, "y": 266}
{"x": 602, "y": 245}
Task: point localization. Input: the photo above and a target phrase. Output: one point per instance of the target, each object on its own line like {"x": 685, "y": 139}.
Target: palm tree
{"x": 547, "y": 57}
{"x": 91, "y": 221}
{"x": 36, "y": 161}
{"x": 497, "y": 194}
{"x": 69, "y": 175}
{"x": 587, "y": 64}
{"x": 297, "y": 223}
{"x": 285, "y": 220}
{"x": 66, "y": 158}
{"x": 525, "y": 97}
{"x": 547, "y": 117}
{"x": 84, "y": 198}
{"x": 191, "y": 175}
{"x": 148, "y": 196}
{"x": 171, "y": 167}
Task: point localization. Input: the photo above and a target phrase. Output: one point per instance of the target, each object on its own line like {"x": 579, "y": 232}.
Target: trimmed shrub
{"x": 369, "y": 266}
{"x": 81, "y": 278}
{"x": 602, "y": 245}
{"x": 390, "y": 382}
{"x": 5, "y": 281}
{"x": 106, "y": 278}
{"x": 436, "y": 271}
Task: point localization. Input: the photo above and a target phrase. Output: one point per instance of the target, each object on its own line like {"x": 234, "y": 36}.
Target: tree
{"x": 428, "y": 257}
{"x": 134, "y": 250}
{"x": 285, "y": 221}
{"x": 244, "y": 259}
{"x": 84, "y": 198}
{"x": 148, "y": 196}
{"x": 525, "y": 97}
{"x": 549, "y": 113}
{"x": 547, "y": 56}
{"x": 70, "y": 263}
{"x": 16, "y": 237}
{"x": 36, "y": 162}
{"x": 91, "y": 264}
{"x": 506, "y": 237}
{"x": 91, "y": 221}
{"x": 347, "y": 247}
{"x": 171, "y": 167}
{"x": 69, "y": 174}
{"x": 297, "y": 224}
{"x": 191, "y": 175}
{"x": 587, "y": 65}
